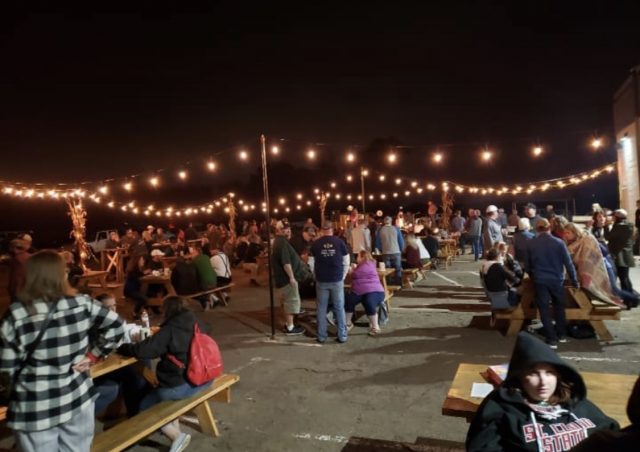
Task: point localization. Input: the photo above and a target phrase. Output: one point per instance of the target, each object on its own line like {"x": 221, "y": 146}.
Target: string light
{"x": 243, "y": 155}
{"x": 275, "y": 150}
{"x": 154, "y": 181}
{"x": 128, "y": 186}
{"x": 351, "y": 157}
{"x": 104, "y": 189}
{"x": 311, "y": 154}
{"x": 182, "y": 175}
{"x": 596, "y": 143}
{"x": 398, "y": 181}
{"x": 349, "y": 177}
{"x": 486, "y": 155}
{"x": 392, "y": 157}
{"x": 211, "y": 166}
{"x": 382, "y": 177}
{"x": 437, "y": 157}
{"x": 365, "y": 172}
{"x": 537, "y": 151}
{"x": 333, "y": 185}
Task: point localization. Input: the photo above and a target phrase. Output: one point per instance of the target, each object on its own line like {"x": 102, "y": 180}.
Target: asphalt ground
{"x": 297, "y": 395}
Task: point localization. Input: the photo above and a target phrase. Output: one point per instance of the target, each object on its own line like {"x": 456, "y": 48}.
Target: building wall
{"x": 626, "y": 117}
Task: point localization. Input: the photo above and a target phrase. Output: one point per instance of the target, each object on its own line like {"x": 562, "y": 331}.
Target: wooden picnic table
{"x": 163, "y": 280}
{"x": 382, "y": 274}
{"x": 168, "y": 261}
{"x": 608, "y": 391}
{"x": 113, "y": 260}
{"x": 578, "y": 306}
{"x": 111, "y": 363}
{"x": 93, "y": 276}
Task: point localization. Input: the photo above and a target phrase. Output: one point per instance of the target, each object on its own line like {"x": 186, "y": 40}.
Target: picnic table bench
{"x": 412, "y": 275}
{"x": 194, "y": 296}
{"x": 136, "y": 428}
{"x": 579, "y": 306}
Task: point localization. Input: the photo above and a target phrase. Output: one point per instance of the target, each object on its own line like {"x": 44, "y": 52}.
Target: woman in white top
{"x": 220, "y": 263}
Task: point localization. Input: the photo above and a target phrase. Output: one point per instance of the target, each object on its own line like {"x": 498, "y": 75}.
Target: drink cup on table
{"x": 381, "y": 266}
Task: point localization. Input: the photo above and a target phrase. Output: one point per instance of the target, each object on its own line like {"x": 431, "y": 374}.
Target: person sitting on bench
{"x": 367, "y": 289}
{"x": 541, "y": 405}
{"x": 498, "y": 281}
{"x": 173, "y": 338}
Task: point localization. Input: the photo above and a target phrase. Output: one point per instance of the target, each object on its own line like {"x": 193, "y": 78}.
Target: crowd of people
{"x": 315, "y": 262}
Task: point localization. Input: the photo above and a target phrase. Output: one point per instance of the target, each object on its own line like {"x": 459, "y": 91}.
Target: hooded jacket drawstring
{"x": 535, "y": 431}
{"x": 584, "y": 429}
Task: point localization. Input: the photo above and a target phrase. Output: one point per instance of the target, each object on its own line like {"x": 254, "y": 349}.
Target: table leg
{"x": 601, "y": 330}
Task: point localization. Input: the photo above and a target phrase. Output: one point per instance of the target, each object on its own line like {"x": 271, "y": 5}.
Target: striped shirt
{"x": 49, "y": 392}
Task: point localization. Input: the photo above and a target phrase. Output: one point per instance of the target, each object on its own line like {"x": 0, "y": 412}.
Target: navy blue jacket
{"x": 547, "y": 257}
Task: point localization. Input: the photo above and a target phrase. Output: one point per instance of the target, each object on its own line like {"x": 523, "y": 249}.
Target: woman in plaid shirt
{"x": 51, "y": 406}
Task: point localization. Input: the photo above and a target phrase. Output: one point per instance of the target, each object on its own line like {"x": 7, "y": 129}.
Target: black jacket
{"x": 505, "y": 422}
{"x": 184, "y": 278}
{"x": 174, "y": 337}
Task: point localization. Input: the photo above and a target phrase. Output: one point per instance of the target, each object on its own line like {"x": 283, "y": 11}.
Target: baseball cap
{"x": 620, "y": 213}
{"x": 491, "y": 209}
{"x": 156, "y": 253}
{"x": 530, "y": 205}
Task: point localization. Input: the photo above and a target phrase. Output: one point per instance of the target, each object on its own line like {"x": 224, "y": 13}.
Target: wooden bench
{"x": 116, "y": 290}
{"x": 578, "y": 307}
{"x": 132, "y": 430}
{"x": 409, "y": 276}
{"x": 194, "y": 296}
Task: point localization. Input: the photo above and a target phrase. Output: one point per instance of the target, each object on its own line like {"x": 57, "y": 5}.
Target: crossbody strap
{"x": 32, "y": 346}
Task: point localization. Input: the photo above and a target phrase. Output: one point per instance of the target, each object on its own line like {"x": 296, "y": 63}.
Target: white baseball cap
{"x": 491, "y": 209}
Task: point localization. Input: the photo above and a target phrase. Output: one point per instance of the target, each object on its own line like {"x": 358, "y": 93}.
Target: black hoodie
{"x": 506, "y": 422}
{"x": 174, "y": 337}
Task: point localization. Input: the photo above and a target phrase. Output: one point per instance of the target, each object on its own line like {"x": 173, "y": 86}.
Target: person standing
{"x": 474, "y": 233}
{"x": 620, "y": 238}
{"x": 390, "y": 243}
{"x": 636, "y": 244}
{"x": 17, "y": 265}
{"x": 530, "y": 212}
{"x": 360, "y": 238}
{"x": 288, "y": 270}
{"x": 520, "y": 240}
{"x": 52, "y": 403}
{"x": 493, "y": 231}
{"x": 547, "y": 258}
{"x": 330, "y": 264}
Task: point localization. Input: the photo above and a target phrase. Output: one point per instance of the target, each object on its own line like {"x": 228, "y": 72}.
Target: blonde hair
{"x": 46, "y": 278}
{"x": 365, "y": 255}
{"x": 412, "y": 241}
{"x": 574, "y": 229}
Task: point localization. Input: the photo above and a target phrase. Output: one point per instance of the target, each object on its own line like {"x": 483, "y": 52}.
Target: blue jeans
{"x": 394, "y": 261}
{"x": 370, "y": 301}
{"x": 475, "y": 245}
{"x": 546, "y": 292}
{"x": 334, "y": 293}
{"x": 161, "y": 394}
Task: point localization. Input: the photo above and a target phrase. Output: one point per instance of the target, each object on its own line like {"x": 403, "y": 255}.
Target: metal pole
{"x": 362, "y": 188}
{"x": 267, "y": 215}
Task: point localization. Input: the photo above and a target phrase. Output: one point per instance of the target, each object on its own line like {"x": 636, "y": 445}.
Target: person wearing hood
{"x": 170, "y": 344}
{"x": 620, "y": 238}
{"x": 541, "y": 406}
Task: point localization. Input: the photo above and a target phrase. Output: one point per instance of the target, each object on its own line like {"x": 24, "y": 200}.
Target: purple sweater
{"x": 364, "y": 279}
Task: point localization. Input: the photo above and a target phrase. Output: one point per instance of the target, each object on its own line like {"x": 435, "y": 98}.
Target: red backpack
{"x": 205, "y": 360}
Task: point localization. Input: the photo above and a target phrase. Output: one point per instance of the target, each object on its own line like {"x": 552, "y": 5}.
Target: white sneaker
{"x": 331, "y": 319}
{"x": 181, "y": 443}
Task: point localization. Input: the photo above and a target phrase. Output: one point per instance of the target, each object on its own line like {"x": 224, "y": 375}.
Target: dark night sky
{"x": 90, "y": 94}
